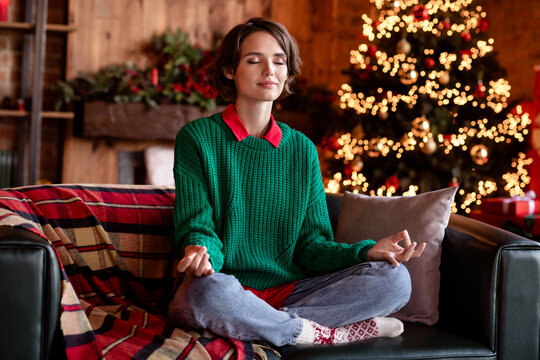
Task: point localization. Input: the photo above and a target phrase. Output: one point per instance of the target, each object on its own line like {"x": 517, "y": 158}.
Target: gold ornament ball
{"x": 420, "y": 126}
{"x": 408, "y": 77}
{"x": 429, "y": 146}
{"x": 375, "y": 149}
{"x": 358, "y": 132}
{"x": 392, "y": 5}
{"x": 444, "y": 79}
{"x": 480, "y": 154}
{"x": 403, "y": 47}
{"x": 357, "y": 164}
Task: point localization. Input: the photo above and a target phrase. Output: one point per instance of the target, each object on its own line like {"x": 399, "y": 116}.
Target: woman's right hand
{"x": 196, "y": 261}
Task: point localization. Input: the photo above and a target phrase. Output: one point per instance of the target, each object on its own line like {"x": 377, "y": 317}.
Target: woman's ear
{"x": 229, "y": 73}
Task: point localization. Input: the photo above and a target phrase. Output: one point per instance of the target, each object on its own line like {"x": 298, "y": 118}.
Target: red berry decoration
{"x": 392, "y": 182}
{"x": 420, "y": 13}
{"x": 430, "y": 62}
{"x": 466, "y": 36}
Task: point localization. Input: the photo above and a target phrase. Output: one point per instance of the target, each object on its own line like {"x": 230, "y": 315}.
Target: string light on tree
{"x": 427, "y": 106}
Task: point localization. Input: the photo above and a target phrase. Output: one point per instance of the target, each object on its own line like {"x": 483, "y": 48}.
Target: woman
{"x": 259, "y": 261}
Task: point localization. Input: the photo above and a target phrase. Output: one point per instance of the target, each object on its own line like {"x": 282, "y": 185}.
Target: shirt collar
{"x": 231, "y": 118}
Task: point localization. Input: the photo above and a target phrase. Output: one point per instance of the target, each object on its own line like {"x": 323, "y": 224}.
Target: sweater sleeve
{"x": 316, "y": 251}
{"x": 193, "y": 213}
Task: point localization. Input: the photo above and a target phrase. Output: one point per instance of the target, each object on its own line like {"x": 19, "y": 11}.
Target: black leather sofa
{"x": 489, "y": 301}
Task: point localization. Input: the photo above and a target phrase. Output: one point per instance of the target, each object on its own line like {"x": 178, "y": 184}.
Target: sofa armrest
{"x": 29, "y": 294}
{"x": 490, "y": 287}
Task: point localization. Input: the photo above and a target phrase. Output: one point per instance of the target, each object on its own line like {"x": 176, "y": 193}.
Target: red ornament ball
{"x": 372, "y": 50}
{"x": 420, "y": 13}
{"x": 392, "y": 182}
{"x": 348, "y": 170}
{"x": 445, "y": 24}
{"x": 466, "y": 36}
{"x": 333, "y": 143}
{"x": 483, "y": 25}
{"x": 364, "y": 75}
{"x": 454, "y": 182}
{"x": 479, "y": 91}
{"x": 430, "y": 62}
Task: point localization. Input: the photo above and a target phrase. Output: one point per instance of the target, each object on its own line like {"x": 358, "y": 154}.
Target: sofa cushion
{"x": 425, "y": 217}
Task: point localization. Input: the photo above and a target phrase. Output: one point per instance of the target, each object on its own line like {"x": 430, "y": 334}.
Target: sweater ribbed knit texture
{"x": 260, "y": 210}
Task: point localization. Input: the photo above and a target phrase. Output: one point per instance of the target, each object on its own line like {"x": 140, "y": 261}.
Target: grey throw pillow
{"x": 425, "y": 217}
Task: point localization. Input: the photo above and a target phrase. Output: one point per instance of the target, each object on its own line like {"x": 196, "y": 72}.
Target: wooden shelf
{"x": 28, "y": 26}
{"x": 60, "y": 28}
{"x": 57, "y": 115}
{"x": 44, "y": 114}
{"x": 35, "y": 30}
{"x": 16, "y": 25}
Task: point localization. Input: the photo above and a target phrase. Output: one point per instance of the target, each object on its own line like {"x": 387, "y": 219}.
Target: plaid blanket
{"x": 118, "y": 267}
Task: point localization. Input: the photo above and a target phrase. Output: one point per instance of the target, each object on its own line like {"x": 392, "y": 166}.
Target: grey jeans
{"x": 220, "y": 304}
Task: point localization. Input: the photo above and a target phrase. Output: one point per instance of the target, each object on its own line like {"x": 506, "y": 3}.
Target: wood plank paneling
{"x": 113, "y": 31}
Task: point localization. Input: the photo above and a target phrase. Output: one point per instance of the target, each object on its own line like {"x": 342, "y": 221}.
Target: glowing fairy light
{"x": 517, "y": 181}
{"x": 411, "y": 191}
{"x": 437, "y": 84}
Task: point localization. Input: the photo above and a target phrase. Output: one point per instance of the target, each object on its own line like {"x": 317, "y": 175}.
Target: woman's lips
{"x": 267, "y": 84}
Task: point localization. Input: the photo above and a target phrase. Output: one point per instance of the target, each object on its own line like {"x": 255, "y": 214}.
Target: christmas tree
{"x": 427, "y": 107}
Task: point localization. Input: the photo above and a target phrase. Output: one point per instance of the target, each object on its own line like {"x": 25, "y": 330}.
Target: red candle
{"x": 154, "y": 76}
{"x": 4, "y": 10}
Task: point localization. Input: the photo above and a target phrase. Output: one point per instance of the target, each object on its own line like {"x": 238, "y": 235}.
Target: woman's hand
{"x": 388, "y": 249}
{"x": 196, "y": 261}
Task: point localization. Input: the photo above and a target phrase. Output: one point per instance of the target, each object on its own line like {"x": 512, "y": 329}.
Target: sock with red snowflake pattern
{"x": 313, "y": 333}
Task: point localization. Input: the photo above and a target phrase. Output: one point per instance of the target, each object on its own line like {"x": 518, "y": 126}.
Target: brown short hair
{"x": 228, "y": 56}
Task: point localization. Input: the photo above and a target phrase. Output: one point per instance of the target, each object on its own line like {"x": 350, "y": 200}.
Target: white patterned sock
{"x": 313, "y": 333}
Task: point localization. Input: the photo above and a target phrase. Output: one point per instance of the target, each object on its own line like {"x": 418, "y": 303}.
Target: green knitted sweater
{"x": 259, "y": 210}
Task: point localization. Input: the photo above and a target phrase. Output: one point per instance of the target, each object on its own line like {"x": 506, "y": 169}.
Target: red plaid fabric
{"x": 118, "y": 266}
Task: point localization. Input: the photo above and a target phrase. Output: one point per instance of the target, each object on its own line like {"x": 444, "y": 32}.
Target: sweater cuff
{"x": 365, "y": 246}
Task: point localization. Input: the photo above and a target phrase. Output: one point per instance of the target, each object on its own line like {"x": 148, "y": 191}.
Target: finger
{"x": 185, "y": 262}
{"x": 209, "y": 270}
{"x": 196, "y": 262}
{"x": 391, "y": 259}
{"x": 396, "y": 237}
{"x": 203, "y": 265}
{"x": 408, "y": 252}
{"x": 406, "y": 238}
{"x": 420, "y": 250}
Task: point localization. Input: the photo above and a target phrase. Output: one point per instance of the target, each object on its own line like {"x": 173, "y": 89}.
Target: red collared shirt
{"x": 231, "y": 118}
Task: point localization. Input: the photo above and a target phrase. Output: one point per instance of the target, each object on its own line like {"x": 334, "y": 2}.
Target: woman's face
{"x": 262, "y": 69}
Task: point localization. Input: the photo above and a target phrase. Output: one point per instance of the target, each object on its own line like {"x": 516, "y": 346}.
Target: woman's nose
{"x": 268, "y": 69}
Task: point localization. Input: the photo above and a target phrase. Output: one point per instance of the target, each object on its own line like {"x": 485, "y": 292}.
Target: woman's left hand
{"x": 388, "y": 249}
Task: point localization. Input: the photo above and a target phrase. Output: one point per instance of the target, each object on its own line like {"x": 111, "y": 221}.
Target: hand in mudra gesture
{"x": 196, "y": 261}
{"x": 389, "y": 250}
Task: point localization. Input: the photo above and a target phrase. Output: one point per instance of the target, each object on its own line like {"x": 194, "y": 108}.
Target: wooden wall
{"x": 113, "y": 31}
